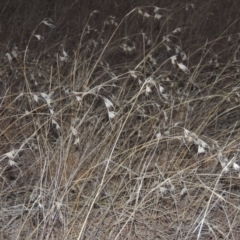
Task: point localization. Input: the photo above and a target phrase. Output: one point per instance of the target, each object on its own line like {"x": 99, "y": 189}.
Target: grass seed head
{"x": 48, "y": 22}
{"x": 10, "y": 154}
{"x": 9, "y": 57}
{"x": 183, "y": 68}
{"x": 184, "y": 191}
{"x": 108, "y": 103}
{"x": 111, "y": 114}
{"x": 236, "y": 167}
{"x": 201, "y": 150}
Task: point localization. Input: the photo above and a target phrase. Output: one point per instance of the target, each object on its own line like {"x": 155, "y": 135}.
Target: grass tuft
{"x": 119, "y": 124}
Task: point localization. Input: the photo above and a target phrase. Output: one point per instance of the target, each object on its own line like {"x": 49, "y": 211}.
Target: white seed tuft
{"x": 74, "y": 131}
{"x": 10, "y": 154}
{"x": 177, "y": 30}
{"x": 39, "y": 37}
{"x": 161, "y": 89}
{"x": 148, "y": 89}
{"x": 163, "y": 190}
{"x": 108, "y": 103}
{"x": 35, "y": 97}
{"x": 111, "y": 114}
{"x": 159, "y": 136}
{"x": 9, "y": 57}
{"x": 174, "y": 60}
{"x": 77, "y": 141}
{"x": 14, "y": 51}
{"x": 12, "y": 163}
{"x": 183, "y": 68}
{"x": 184, "y": 191}
{"x": 236, "y": 167}
{"x": 201, "y": 149}
{"x": 157, "y": 16}
{"x": 48, "y": 22}
{"x": 56, "y": 124}
{"x": 132, "y": 73}
{"x": 47, "y": 98}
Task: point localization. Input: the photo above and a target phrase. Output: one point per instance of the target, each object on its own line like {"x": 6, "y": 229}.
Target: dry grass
{"x": 127, "y": 128}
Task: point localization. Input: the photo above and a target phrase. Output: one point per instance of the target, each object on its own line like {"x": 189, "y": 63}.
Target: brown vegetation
{"x": 119, "y": 121}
